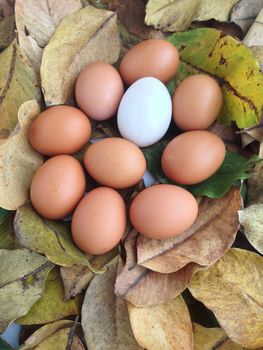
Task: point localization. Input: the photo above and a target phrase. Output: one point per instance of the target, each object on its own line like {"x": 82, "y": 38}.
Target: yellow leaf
{"x": 165, "y": 326}
{"x": 233, "y": 290}
{"x": 22, "y": 281}
{"x": 60, "y": 341}
{"x": 176, "y": 15}
{"x": 83, "y": 37}
{"x": 18, "y": 160}
{"x": 17, "y": 85}
{"x": 36, "y": 22}
{"x": 52, "y": 306}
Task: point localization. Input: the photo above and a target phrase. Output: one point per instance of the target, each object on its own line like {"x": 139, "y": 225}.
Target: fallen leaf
{"x": 77, "y": 277}
{"x": 7, "y": 235}
{"x": 44, "y": 332}
{"x": 8, "y": 7}
{"x": 36, "y": 22}
{"x": 3, "y": 215}
{"x": 17, "y": 85}
{"x": 228, "y": 134}
{"x": 254, "y": 35}
{"x": 258, "y": 54}
{"x": 22, "y": 281}
{"x": 157, "y": 327}
{"x": 206, "y": 241}
{"x": 52, "y": 238}
{"x": 7, "y": 31}
{"x": 52, "y": 306}
{"x": 244, "y": 12}
{"x": 143, "y": 287}
{"x": 60, "y": 341}
{"x": 255, "y": 185}
{"x": 18, "y": 160}
{"x": 227, "y": 28}
{"x": 231, "y": 63}
{"x": 173, "y": 15}
{"x": 83, "y": 37}
{"x": 105, "y": 319}
{"x": 232, "y": 289}
{"x": 212, "y": 338}
{"x": 4, "y": 345}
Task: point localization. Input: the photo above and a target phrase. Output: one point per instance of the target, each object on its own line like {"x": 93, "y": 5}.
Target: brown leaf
{"x": 244, "y": 12}
{"x": 8, "y": 7}
{"x": 36, "y": 22}
{"x": 228, "y": 135}
{"x": 143, "y": 287}
{"x": 206, "y": 241}
{"x": 85, "y": 36}
{"x": 157, "y": 327}
{"x": 227, "y": 28}
{"x": 255, "y": 186}
{"x": 7, "y": 31}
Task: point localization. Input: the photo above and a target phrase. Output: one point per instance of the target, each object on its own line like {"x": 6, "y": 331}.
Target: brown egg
{"x": 197, "y": 102}
{"x": 193, "y": 156}
{"x": 163, "y": 211}
{"x": 57, "y": 187}
{"x": 151, "y": 58}
{"x": 115, "y": 162}
{"x": 60, "y": 130}
{"x": 99, "y": 90}
{"x": 99, "y": 221}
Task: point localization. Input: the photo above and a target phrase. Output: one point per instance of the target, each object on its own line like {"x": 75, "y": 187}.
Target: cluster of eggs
{"x": 144, "y": 113}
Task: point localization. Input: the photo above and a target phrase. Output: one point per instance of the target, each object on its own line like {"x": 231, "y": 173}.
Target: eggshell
{"x": 57, "y": 187}
{"x": 99, "y": 89}
{"x": 193, "y": 156}
{"x": 99, "y": 221}
{"x": 197, "y": 102}
{"x": 145, "y": 112}
{"x": 163, "y": 211}
{"x": 60, "y": 130}
{"x": 151, "y": 58}
{"x": 115, "y": 162}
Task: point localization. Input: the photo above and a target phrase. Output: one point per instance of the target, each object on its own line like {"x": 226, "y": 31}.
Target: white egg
{"x": 145, "y": 112}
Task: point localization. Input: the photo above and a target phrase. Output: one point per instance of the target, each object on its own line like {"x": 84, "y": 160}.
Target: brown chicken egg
{"x": 57, "y": 187}
{"x": 99, "y": 89}
{"x": 193, "y": 156}
{"x": 151, "y": 58}
{"x": 60, "y": 130}
{"x": 115, "y": 162}
{"x": 163, "y": 211}
{"x": 197, "y": 102}
{"x": 99, "y": 221}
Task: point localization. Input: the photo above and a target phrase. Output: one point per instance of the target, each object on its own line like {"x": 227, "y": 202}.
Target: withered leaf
{"x": 105, "y": 319}
{"x": 18, "y": 160}
{"x": 232, "y": 289}
{"x": 211, "y": 235}
{"x": 166, "y": 326}
{"x": 17, "y": 85}
{"x": 143, "y": 287}
{"x": 22, "y": 281}
{"x": 254, "y": 35}
{"x": 83, "y": 37}
{"x": 7, "y": 7}
{"x": 7, "y": 31}
{"x": 244, "y": 12}
{"x": 36, "y": 22}
{"x": 7, "y": 235}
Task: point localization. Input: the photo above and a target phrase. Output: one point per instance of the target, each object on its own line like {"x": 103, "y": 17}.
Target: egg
{"x": 193, "y": 156}
{"x": 59, "y": 130}
{"x": 151, "y": 58}
{"x": 99, "y": 89}
{"x": 115, "y": 162}
{"x": 197, "y": 102}
{"x": 145, "y": 112}
{"x": 163, "y": 211}
{"x": 99, "y": 221}
{"x": 57, "y": 187}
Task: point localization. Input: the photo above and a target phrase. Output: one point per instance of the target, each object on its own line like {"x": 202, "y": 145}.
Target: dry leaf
{"x": 7, "y": 235}
{"x": 143, "y": 287}
{"x": 36, "y": 22}
{"x": 17, "y": 85}
{"x": 233, "y": 290}
{"x": 22, "y": 281}
{"x": 7, "y": 31}
{"x": 52, "y": 306}
{"x": 254, "y": 35}
{"x": 105, "y": 319}
{"x": 166, "y": 326}
{"x": 212, "y": 339}
{"x": 228, "y": 135}
{"x": 60, "y": 341}
{"x": 258, "y": 53}
{"x": 203, "y": 243}
{"x": 83, "y": 37}
{"x": 18, "y": 160}
{"x": 77, "y": 277}
{"x": 255, "y": 185}
{"x": 174, "y": 15}
{"x": 244, "y": 12}
{"x": 8, "y": 7}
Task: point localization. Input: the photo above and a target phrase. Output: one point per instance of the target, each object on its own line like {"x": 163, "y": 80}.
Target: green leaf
{"x": 3, "y": 214}
{"x": 233, "y": 169}
{"x": 210, "y": 52}
{"x": 4, "y": 345}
